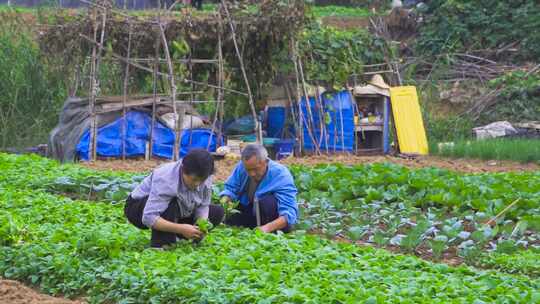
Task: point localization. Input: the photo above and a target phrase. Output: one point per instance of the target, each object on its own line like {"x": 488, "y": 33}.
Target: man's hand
{"x": 189, "y": 231}
{"x": 264, "y": 229}
{"x": 277, "y": 224}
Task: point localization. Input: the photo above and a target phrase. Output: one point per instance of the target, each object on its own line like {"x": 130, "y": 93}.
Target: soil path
{"x": 224, "y": 167}
{"x": 14, "y": 292}
{"x": 347, "y": 23}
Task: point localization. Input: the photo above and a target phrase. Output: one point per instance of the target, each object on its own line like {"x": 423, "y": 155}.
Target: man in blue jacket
{"x": 257, "y": 178}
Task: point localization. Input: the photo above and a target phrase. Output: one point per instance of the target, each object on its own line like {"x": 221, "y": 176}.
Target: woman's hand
{"x": 189, "y": 231}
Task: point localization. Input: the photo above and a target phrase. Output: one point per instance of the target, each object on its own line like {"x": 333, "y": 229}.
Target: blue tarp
{"x": 138, "y": 124}
{"x": 338, "y": 116}
{"x": 275, "y": 121}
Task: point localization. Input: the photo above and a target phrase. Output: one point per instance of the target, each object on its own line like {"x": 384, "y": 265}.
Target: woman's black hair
{"x": 198, "y": 162}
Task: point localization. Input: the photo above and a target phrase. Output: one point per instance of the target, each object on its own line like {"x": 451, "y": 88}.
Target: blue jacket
{"x": 277, "y": 181}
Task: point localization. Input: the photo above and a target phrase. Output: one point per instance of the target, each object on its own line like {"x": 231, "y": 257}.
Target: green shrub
{"x": 465, "y": 25}
{"x": 332, "y": 55}
{"x": 519, "y": 99}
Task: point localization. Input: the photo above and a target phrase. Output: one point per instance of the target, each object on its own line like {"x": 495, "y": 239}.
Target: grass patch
{"x": 17, "y": 9}
{"x": 526, "y": 262}
{"x": 340, "y": 11}
{"x": 520, "y": 150}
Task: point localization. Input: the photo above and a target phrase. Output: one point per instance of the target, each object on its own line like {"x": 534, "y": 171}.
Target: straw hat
{"x": 378, "y": 81}
{"x": 370, "y": 90}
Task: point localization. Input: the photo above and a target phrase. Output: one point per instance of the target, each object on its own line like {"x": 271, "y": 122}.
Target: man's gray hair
{"x": 256, "y": 150}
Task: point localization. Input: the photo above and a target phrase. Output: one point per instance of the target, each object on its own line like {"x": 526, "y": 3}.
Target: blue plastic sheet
{"x": 275, "y": 122}
{"x": 338, "y": 118}
{"x": 138, "y": 124}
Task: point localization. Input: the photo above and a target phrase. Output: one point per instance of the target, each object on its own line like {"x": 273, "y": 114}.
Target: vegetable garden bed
{"x": 80, "y": 248}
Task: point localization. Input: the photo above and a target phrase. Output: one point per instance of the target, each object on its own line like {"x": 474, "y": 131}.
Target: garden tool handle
{"x": 257, "y": 211}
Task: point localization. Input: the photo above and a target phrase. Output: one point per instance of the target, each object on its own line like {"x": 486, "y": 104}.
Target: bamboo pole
{"x": 173, "y": 91}
{"x": 310, "y": 122}
{"x": 292, "y": 106}
{"x": 92, "y": 90}
{"x": 98, "y": 62}
{"x": 219, "y": 98}
{"x": 124, "y": 99}
{"x": 154, "y": 95}
{"x": 341, "y": 123}
{"x": 221, "y": 84}
{"x": 299, "y": 101}
{"x": 310, "y": 112}
{"x": 335, "y": 129}
{"x": 319, "y": 105}
{"x": 191, "y": 98}
{"x": 141, "y": 67}
{"x": 93, "y": 81}
{"x": 242, "y": 67}
{"x": 302, "y": 118}
{"x": 322, "y": 115}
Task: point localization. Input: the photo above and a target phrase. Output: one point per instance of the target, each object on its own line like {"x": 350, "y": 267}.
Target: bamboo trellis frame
{"x": 160, "y": 23}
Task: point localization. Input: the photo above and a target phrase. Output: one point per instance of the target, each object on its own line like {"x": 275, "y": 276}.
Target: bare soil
{"x": 14, "y": 292}
{"x": 225, "y": 167}
{"x": 348, "y": 23}
{"x": 459, "y": 165}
